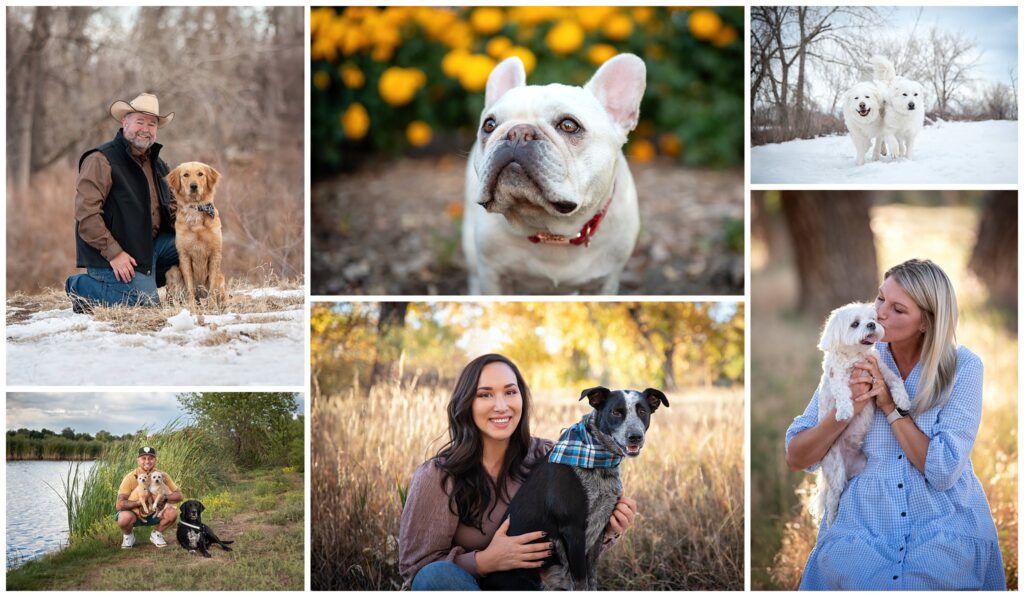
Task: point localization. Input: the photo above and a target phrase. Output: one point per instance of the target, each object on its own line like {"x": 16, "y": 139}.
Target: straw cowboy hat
{"x": 145, "y": 103}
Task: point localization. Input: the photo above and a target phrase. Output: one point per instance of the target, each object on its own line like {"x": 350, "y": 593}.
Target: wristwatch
{"x": 896, "y": 414}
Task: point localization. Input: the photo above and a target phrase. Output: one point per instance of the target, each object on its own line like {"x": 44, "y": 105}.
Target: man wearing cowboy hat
{"x": 128, "y": 520}
{"x": 124, "y": 227}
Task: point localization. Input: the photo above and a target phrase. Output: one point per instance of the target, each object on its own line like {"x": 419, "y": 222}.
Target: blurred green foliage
{"x": 394, "y": 79}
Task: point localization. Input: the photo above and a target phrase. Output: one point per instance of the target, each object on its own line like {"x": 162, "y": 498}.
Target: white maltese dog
{"x": 850, "y": 335}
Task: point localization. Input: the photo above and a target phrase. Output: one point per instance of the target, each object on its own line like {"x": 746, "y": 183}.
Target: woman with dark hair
{"x": 450, "y": 534}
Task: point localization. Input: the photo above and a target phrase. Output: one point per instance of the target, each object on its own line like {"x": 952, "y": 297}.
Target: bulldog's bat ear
{"x": 509, "y": 74}
{"x": 596, "y": 396}
{"x": 619, "y": 85}
{"x": 655, "y": 398}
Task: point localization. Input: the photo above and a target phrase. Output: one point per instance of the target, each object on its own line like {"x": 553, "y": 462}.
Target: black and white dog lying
{"x": 571, "y": 495}
{"x": 193, "y": 535}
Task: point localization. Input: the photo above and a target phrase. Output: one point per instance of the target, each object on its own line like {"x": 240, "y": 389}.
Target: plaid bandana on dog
{"x": 577, "y": 448}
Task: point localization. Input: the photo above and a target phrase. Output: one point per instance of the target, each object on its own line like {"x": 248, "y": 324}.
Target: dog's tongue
{"x": 869, "y": 339}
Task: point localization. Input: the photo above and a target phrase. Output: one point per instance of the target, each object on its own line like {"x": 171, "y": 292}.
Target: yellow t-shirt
{"x": 131, "y": 481}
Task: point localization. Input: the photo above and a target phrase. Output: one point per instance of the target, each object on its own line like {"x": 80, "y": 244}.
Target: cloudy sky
{"x": 118, "y": 413}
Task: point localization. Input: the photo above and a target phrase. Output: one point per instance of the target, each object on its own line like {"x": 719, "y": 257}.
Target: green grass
{"x": 268, "y": 548}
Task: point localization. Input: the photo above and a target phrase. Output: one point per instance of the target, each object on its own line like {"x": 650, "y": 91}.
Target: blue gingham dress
{"x": 898, "y": 529}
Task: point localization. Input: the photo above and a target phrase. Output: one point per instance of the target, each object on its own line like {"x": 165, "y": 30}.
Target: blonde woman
{"x": 916, "y": 517}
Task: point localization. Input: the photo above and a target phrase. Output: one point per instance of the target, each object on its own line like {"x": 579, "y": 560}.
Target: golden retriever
{"x": 198, "y": 236}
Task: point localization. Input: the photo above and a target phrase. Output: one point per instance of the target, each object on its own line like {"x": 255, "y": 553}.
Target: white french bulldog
{"x": 550, "y": 203}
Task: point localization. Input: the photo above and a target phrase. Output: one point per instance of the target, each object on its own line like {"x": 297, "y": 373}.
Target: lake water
{"x": 37, "y": 522}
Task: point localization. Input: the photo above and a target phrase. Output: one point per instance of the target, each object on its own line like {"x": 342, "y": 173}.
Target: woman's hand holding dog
{"x": 867, "y": 382}
{"x": 509, "y": 553}
{"x": 622, "y": 517}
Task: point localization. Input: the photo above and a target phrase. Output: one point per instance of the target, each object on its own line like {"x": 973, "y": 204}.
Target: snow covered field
{"x": 263, "y": 344}
{"x": 948, "y": 152}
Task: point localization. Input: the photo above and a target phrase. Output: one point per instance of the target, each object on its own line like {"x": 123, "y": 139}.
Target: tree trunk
{"x": 389, "y": 341}
{"x": 833, "y": 246}
{"x": 994, "y": 259}
{"x": 668, "y": 367}
{"x": 26, "y": 83}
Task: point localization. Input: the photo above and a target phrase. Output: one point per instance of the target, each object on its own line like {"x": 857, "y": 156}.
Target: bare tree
{"x": 952, "y": 57}
{"x": 998, "y": 102}
{"x": 994, "y": 258}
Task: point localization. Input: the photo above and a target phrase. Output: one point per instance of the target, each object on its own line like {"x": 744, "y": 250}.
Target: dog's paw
{"x": 901, "y": 399}
{"x": 844, "y": 410}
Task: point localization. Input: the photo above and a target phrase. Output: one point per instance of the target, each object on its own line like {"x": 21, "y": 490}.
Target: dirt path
{"x": 394, "y": 228}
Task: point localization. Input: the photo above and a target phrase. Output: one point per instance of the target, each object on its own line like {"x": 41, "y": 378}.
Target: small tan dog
{"x": 141, "y": 495}
{"x": 158, "y": 489}
{"x": 198, "y": 236}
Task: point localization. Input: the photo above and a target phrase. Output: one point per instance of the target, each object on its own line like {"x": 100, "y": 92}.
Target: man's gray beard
{"x": 140, "y": 144}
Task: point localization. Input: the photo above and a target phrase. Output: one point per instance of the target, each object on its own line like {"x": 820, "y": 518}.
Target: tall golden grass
{"x": 260, "y": 204}
{"x": 688, "y": 483}
{"x": 785, "y": 368}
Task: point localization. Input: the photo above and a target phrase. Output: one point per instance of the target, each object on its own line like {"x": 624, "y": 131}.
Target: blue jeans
{"x": 99, "y": 286}
{"x": 444, "y": 576}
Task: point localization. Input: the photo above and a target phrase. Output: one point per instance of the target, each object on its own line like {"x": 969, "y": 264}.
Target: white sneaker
{"x": 128, "y": 541}
{"x": 157, "y": 538}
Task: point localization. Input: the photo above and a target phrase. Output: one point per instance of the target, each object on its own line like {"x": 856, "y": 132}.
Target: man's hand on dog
{"x": 510, "y": 553}
{"x": 124, "y": 267}
{"x": 622, "y": 517}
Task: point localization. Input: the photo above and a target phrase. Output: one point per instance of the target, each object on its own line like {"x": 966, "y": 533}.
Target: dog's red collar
{"x": 583, "y": 236}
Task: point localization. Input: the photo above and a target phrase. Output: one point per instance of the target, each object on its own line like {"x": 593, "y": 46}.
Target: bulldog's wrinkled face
{"x": 548, "y": 154}
{"x": 906, "y": 96}
{"x": 863, "y": 103}
{"x": 854, "y": 326}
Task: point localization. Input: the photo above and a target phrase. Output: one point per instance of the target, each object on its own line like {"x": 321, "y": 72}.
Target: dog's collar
{"x": 206, "y": 208}
{"x": 577, "y": 448}
{"x": 583, "y": 236}
{"x": 192, "y": 526}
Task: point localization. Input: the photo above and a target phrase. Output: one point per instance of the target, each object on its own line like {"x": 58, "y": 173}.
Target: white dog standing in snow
{"x": 904, "y": 108}
{"x": 862, "y": 110}
{"x": 849, "y": 336}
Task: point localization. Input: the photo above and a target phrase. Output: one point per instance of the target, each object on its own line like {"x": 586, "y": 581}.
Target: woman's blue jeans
{"x": 444, "y": 576}
{"x": 98, "y": 285}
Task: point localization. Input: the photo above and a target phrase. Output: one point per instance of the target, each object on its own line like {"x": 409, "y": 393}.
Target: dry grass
{"x": 260, "y": 203}
{"x": 689, "y": 484}
{"x": 259, "y": 309}
{"x": 785, "y": 368}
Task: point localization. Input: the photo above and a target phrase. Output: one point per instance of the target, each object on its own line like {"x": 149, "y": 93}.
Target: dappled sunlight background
{"x": 785, "y": 367}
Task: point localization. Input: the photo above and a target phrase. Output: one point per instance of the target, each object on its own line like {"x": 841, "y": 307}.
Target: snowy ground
{"x": 948, "y": 152}
{"x": 58, "y": 347}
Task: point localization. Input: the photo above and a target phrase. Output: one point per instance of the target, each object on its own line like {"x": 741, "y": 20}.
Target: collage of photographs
{"x": 450, "y": 298}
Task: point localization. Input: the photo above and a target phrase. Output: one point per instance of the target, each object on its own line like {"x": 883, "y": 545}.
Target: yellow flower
{"x": 435, "y": 20}
{"x": 457, "y": 35}
{"x": 355, "y": 122}
{"x": 535, "y": 15}
{"x": 323, "y": 48}
{"x": 591, "y": 17}
{"x": 704, "y": 23}
{"x": 487, "y": 20}
{"x": 386, "y": 36}
{"x": 617, "y": 27}
{"x": 354, "y": 40}
{"x": 565, "y": 37}
{"x": 321, "y": 80}
{"x": 524, "y": 53}
{"x": 641, "y": 150}
{"x": 498, "y": 46}
{"x": 318, "y": 18}
{"x": 670, "y": 145}
{"x": 643, "y": 14}
{"x": 598, "y": 54}
{"x": 383, "y": 53}
{"x": 418, "y": 133}
{"x": 475, "y": 70}
{"x": 398, "y": 85}
{"x": 725, "y": 36}
{"x": 352, "y": 77}
{"x": 453, "y": 62}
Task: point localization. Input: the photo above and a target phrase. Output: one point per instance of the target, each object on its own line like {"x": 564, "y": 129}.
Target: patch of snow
{"x": 231, "y": 349}
{"x": 949, "y": 152}
{"x": 275, "y": 292}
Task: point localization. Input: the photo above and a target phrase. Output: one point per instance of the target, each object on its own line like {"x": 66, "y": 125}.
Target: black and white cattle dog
{"x": 193, "y": 535}
{"x": 572, "y": 494}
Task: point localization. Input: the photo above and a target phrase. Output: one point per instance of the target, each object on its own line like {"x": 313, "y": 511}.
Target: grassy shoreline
{"x": 262, "y": 510}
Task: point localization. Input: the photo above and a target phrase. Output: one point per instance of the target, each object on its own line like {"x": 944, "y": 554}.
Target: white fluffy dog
{"x": 850, "y": 335}
{"x": 863, "y": 105}
{"x": 904, "y": 108}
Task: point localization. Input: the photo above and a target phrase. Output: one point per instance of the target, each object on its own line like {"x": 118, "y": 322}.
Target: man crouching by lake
{"x": 128, "y": 514}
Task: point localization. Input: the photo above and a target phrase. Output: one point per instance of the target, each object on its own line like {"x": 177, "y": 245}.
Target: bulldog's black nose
{"x": 194, "y": 186}
{"x": 911, "y": 105}
{"x": 523, "y": 132}
{"x": 870, "y": 325}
